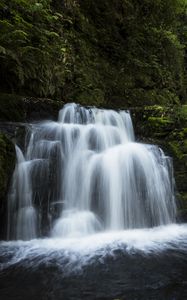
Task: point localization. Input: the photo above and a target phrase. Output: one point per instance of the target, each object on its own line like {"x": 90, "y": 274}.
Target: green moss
{"x": 184, "y": 111}
{"x": 179, "y": 134}
{"x": 159, "y": 126}
{"x": 176, "y": 149}
{"x": 180, "y": 115}
{"x": 182, "y": 198}
{"x": 156, "y": 108}
{"x": 166, "y": 127}
{"x": 94, "y": 98}
{"x": 159, "y": 121}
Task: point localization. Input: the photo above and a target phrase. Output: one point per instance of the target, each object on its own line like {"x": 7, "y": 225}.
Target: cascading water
{"x": 22, "y": 218}
{"x": 106, "y": 207}
{"x": 84, "y": 174}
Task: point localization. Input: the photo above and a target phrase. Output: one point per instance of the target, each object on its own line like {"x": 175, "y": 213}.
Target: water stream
{"x": 87, "y": 200}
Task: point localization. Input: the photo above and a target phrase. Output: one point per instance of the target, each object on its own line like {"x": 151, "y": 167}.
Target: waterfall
{"x": 85, "y": 174}
{"x": 21, "y": 213}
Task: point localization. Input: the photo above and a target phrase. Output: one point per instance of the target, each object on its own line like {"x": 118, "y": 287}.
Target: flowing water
{"x": 92, "y": 214}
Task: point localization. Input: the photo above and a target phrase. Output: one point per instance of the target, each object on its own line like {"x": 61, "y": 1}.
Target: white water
{"x": 22, "y": 217}
{"x": 71, "y": 254}
{"x": 86, "y": 174}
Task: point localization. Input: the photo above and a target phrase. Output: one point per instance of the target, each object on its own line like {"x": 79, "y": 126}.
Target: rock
{"x": 7, "y": 163}
{"x": 14, "y": 108}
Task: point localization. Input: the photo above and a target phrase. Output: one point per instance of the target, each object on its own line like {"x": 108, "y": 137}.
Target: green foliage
{"x": 142, "y": 47}
{"x": 34, "y": 52}
{"x": 107, "y": 53}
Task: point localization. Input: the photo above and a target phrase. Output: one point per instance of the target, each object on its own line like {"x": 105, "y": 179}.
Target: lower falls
{"x": 87, "y": 201}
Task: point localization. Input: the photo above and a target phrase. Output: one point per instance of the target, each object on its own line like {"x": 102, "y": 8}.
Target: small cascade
{"x": 22, "y": 218}
{"x": 86, "y": 174}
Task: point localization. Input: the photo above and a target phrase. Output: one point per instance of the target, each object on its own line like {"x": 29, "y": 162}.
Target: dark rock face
{"x": 7, "y": 163}
{"x": 15, "y": 108}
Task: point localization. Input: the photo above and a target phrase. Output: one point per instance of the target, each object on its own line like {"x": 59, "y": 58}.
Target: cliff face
{"x": 7, "y": 163}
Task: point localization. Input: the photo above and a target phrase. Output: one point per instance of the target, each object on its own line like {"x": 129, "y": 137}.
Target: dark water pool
{"x": 140, "y": 265}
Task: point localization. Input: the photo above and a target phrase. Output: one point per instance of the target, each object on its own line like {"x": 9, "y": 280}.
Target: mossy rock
{"x": 183, "y": 197}
{"x": 178, "y": 148}
{"x": 160, "y": 126}
{"x": 153, "y": 121}
{"x": 182, "y": 111}
{"x": 179, "y": 134}
{"x": 182, "y": 206}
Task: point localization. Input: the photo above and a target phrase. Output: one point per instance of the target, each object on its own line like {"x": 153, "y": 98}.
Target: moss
{"x": 182, "y": 206}
{"x": 183, "y": 197}
{"x": 159, "y": 121}
{"x": 179, "y": 134}
{"x": 179, "y": 147}
{"x": 166, "y": 122}
{"x": 185, "y": 146}
{"x": 95, "y": 98}
{"x": 166, "y": 127}
{"x": 159, "y": 126}
{"x": 180, "y": 115}
{"x": 175, "y": 147}
{"x": 183, "y": 112}
{"x": 156, "y": 108}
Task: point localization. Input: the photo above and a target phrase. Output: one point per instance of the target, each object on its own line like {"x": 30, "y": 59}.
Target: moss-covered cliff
{"x": 94, "y": 52}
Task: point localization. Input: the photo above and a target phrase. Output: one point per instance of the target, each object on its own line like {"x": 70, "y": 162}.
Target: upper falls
{"x": 85, "y": 173}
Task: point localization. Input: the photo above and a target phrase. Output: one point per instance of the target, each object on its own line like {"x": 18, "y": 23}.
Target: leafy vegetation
{"x": 34, "y": 48}
{"x": 116, "y": 53}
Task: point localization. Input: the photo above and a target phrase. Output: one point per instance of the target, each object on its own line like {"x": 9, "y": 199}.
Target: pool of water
{"x": 132, "y": 264}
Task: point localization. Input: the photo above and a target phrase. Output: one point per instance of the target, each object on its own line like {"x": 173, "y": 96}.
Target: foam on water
{"x": 71, "y": 254}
